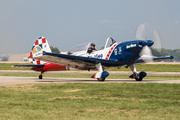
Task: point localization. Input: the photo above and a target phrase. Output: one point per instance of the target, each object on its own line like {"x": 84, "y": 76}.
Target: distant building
{"x": 19, "y": 57}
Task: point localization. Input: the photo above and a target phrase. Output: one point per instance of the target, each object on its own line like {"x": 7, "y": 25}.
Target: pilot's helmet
{"x": 92, "y": 44}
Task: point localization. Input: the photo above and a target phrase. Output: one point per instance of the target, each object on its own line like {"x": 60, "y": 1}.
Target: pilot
{"x": 91, "y": 49}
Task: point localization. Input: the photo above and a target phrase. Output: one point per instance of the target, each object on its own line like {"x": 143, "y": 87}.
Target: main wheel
{"x": 139, "y": 79}
{"x": 101, "y": 79}
{"x": 40, "y": 76}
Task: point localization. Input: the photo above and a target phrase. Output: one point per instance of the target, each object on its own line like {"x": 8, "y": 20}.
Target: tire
{"x": 101, "y": 79}
{"x": 40, "y": 76}
{"x": 138, "y": 79}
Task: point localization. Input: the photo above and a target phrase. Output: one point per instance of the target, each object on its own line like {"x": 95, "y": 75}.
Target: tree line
{"x": 54, "y": 49}
{"x": 167, "y": 52}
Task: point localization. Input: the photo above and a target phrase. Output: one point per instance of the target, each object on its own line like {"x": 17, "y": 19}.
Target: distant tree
{"x": 166, "y": 52}
{"x": 162, "y": 52}
{"x": 54, "y": 49}
{"x": 155, "y": 52}
{"x": 4, "y": 59}
{"x": 176, "y": 55}
{"x": 170, "y": 51}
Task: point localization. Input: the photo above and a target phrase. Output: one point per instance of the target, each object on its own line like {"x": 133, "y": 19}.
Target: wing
{"x": 28, "y": 66}
{"x": 78, "y": 62}
{"x": 157, "y": 59}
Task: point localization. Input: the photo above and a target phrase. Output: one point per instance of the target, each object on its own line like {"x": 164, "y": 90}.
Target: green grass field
{"x": 91, "y": 101}
{"x": 140, "y": 67}
{"x": 7, "y": 66}
{"x": 153, "y": 67}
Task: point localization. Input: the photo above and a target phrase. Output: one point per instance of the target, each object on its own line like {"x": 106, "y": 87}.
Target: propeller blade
{"x": 157, "y": 41}
{"x": 141, "y": 32}
{"x": 146, "y": 54}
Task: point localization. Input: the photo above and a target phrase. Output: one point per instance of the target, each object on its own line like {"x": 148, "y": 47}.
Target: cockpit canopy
{"x": 82, "y": 48}
{"x": 109, "y": 42}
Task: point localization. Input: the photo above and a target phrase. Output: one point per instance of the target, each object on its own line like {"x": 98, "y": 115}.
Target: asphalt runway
{"x": 10, "y": 81}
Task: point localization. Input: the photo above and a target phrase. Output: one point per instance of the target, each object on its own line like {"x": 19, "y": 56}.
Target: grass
{"x": 140, "y": 67}
{"x": 87, "y": 76}
{"x": 7, "y": 66}
{"x": 153, "y": 67}
{"x": 91, "y": 101}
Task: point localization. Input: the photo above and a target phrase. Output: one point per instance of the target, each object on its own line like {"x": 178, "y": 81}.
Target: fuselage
{"x": 50, "y": 67}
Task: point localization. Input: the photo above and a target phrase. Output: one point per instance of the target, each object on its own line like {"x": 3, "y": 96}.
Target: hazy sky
{"x": 66, "y": 23}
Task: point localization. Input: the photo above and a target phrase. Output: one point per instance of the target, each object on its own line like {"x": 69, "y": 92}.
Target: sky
{"x": 67, "y": 23}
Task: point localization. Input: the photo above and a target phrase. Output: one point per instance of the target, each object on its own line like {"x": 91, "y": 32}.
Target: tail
{"x": 41, "y": 44}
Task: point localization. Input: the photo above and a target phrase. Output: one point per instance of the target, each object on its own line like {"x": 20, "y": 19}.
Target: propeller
{"x": 157, "y": 41}
{"x": 146, "y": 53}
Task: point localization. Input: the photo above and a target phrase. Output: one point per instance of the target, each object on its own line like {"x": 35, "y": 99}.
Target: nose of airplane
{"x": 149, "y": 43}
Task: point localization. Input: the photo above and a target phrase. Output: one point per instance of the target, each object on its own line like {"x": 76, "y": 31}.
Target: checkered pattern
{"x": 43, "y": 43}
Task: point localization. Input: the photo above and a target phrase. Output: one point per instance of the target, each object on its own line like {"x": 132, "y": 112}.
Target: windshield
{"x": 110, "y": 41}
{"x": 79, "y": 48}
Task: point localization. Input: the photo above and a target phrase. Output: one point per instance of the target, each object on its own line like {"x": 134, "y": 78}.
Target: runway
{"x": 10, "y": 81}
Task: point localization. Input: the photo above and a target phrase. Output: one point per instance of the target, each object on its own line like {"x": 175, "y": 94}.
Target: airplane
{"x": 112, "y": 55}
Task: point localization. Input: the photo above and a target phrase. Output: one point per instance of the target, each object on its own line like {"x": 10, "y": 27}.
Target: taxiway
{"x": 10, "y": 81}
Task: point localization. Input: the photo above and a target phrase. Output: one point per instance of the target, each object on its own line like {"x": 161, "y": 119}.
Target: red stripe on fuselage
{"x": 110, "y": 51}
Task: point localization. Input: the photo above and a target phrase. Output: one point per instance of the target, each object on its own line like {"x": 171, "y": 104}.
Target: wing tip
{"x": 171, "y": 57}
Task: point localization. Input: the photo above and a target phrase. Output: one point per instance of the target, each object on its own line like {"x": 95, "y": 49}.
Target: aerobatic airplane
{"x": 113, "y": 54}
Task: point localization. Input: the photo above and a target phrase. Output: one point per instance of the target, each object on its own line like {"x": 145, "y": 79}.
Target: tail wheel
{"x": 101, "y": 79}
{"x": 40, "y": 76}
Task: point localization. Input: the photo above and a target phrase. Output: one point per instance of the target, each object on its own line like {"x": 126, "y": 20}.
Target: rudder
{"x": 41, "y": 44}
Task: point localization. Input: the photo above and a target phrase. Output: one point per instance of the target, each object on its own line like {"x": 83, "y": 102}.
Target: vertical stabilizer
{"x": 41, "y": 44}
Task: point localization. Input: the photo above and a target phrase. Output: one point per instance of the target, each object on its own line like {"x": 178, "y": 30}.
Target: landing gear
{"x": 138, "y": 79}
{"x": 101, "y": 79}
{"x": 40, "y": 76}
{"x": 101, "y": 75}
{"x": 137, "y": 75}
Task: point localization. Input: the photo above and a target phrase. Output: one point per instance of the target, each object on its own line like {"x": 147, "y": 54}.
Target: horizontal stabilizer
{"x": 27, "y": 66}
